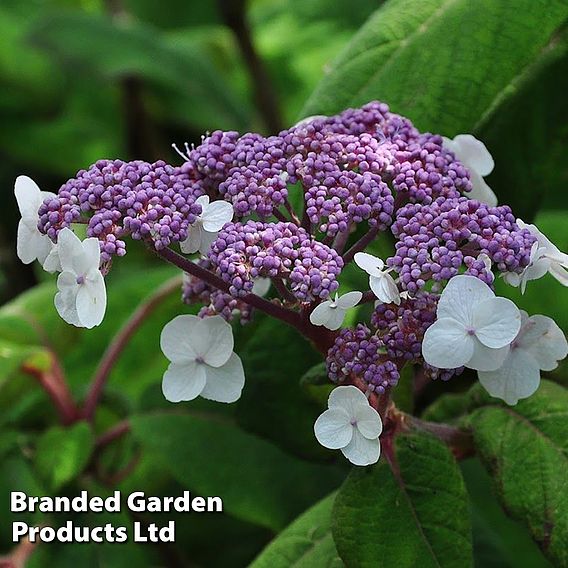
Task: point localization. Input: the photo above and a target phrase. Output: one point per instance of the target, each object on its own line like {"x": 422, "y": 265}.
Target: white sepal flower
{"x": 380, "y": 280}
{"x": 31, "y": 244}
{"x": 350, "y": 425}
{"x": 331, "y": 313}
{"x": 208, "y": 224}
{"x": 81, "y": 299}
{"x": 473, "y": 327}
{"x": 202, "y": 362}
{"x": 475, "y": 156}
{"x": 545, "y": 257}
{"x": 539, "y": 345}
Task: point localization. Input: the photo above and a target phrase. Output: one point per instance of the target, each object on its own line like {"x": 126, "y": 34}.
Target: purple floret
{"x": 243, "y": 252}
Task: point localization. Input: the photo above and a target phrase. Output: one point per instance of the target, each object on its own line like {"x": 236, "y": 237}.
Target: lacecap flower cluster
{"x": 284, "y": 215}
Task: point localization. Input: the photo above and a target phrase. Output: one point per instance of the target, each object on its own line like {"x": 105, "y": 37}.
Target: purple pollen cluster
{"x": 246, "y": 251}
{"x": 146, "y": 201}
{"x": 357, "y": 353}
{"x": 426, "y": 171}
{"x": 436, "y": 240}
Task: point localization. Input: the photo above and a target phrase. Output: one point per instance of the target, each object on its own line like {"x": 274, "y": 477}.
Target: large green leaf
{"x": 498, "y": 541}
{"x": 63, "y": 453}
{"x": 306, "y": 543}
{"x": 257, "y": 481}
{"x": 446, "y": 64}
{"x": 525, "y": 448}
{"x": 418, "y": 518}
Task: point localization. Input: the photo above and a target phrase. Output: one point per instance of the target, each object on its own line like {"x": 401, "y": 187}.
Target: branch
{"x": 288, "y": 316}
{"x": 54, "y": 384}
{"x": 121, "y": 340}
{"x": 360, "y": 245}
{"x": 460, "y": 441}
{"x": 114, "y": 433}
{"x": 233, "y": 14}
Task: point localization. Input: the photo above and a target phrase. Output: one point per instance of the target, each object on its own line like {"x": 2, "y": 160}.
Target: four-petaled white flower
{"x": 202, "y": 362}
{"x": 475, "y": 156}
{"x": 211, "y": 220}
{"x": 331, "y": 313}
{"x": 539, "y": 345}
{"x": 31, "y": 244}
{"x": 473, "y": 327}
{"x": 81, "y": 299}
{"x": 351, "y": 425}
{"x": 380, "y": 281}
{"x": 545, "y": 257}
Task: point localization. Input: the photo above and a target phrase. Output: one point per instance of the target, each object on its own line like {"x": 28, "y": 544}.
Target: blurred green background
{"x": 87, "y": 79}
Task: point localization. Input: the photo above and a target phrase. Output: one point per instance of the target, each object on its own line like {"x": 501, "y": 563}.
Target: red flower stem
{"x": 114, "y": 433}
{"x": 54, "y": 384}
{"x": 360, "y": 244}
{"x": 120, "y": 341}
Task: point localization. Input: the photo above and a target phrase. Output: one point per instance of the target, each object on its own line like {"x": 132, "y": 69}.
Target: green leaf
{"x": 17, "y": 475}
{"x": 63, "y": 453}
{"x": 446, "y": 64}
{"x": 420, "y": 518}
{"x": 498, "y": 541}
{"x": 257, "y": 481}
{"x": 306, "y": 543}
{"x": 525, "y": 449}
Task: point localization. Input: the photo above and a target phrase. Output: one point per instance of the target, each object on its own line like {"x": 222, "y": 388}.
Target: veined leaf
{"x": 417, "y": 518}
{"x": 446, "y": 64}
{"x": 525, "y": 449}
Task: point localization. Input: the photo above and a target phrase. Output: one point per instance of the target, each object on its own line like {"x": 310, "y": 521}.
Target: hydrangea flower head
{"x": 331, "y": 313}
{"x": 202, "y": 361}
{"x": 538, "y": 346}
{"x": 207, "y": 225}
{"x": 81, "y": 296}
{"x": 545, "y": 257}
{"x": 31, "y": 244}
{"x": 474, "y": 328}
{"x": 380, "y": 280}
{"x": 475, "y": 156}
{"x": 350, "y": 425}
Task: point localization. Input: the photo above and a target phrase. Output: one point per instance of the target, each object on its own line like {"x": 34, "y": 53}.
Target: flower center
{"x": 199, "y": 360}
{"x": 81, "y": 279}
{"x": 470, "y": 331}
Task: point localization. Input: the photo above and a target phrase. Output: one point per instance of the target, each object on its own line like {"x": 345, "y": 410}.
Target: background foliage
{"x": 85, "y": 79}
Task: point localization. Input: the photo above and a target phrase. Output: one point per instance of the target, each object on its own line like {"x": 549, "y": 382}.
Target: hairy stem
{"x": 121, "y": 340}
{"x": 360, "y": 244}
